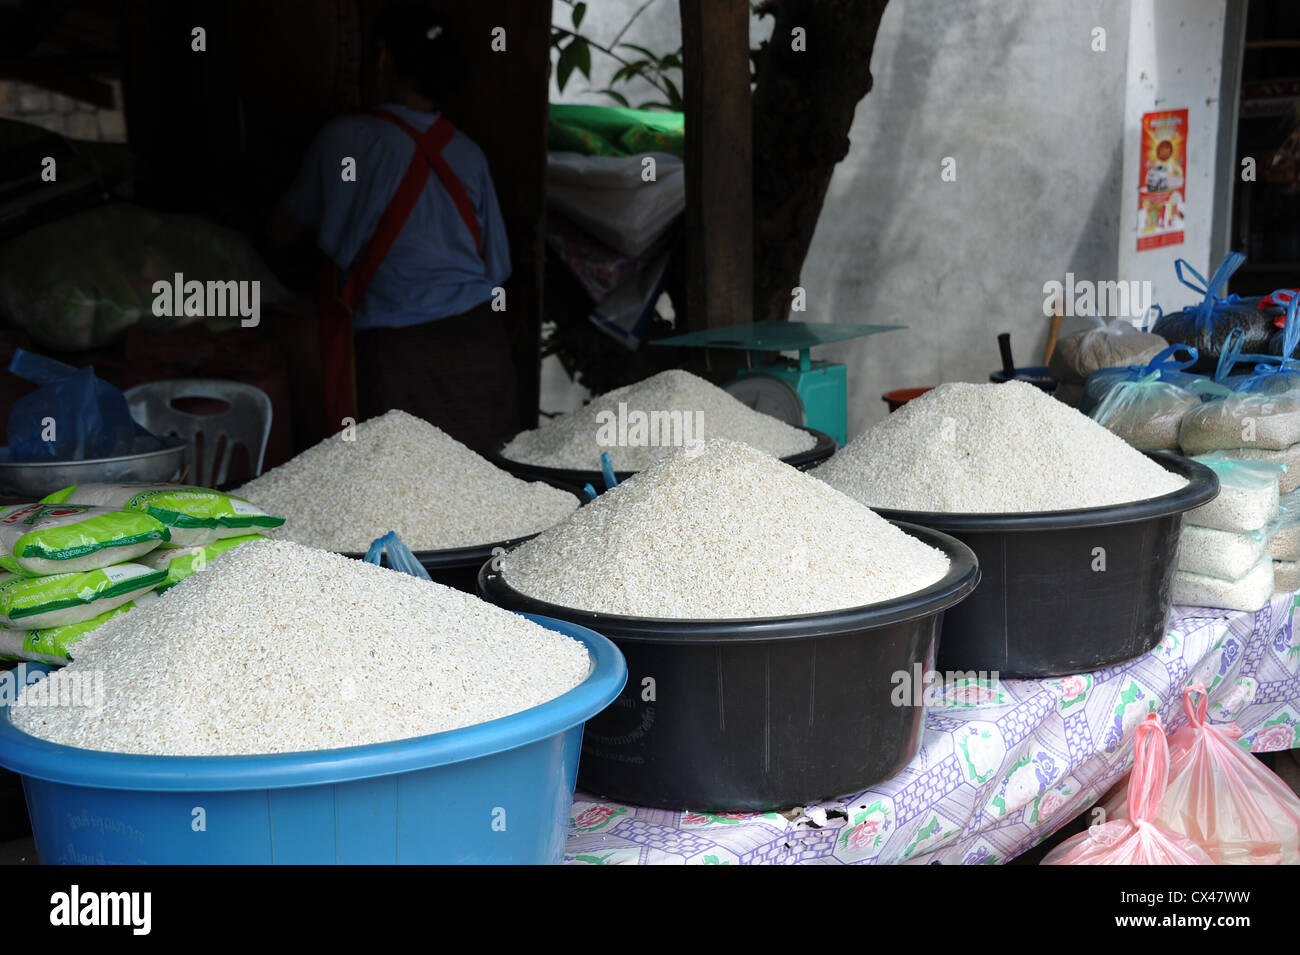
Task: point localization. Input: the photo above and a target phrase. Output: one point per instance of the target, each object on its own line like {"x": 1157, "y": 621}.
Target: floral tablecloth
{"x": 1002, "y": 764}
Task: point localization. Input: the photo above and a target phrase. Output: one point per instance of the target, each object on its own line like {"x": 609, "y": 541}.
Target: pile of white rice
{"x": 653, "y": 422}
{"x": 400, "y": 473}
{"x": 730, "y": 532}
{"x": 993, "y": 448}
{"x": 280, "y": 648}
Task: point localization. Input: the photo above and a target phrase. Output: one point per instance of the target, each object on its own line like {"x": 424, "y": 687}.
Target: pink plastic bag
{"x": 1225, "y": 799}
{"x": 1139, "y": 839}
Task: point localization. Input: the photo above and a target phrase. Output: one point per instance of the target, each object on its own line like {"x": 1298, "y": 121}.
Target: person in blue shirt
{"x": 418, "y": 268}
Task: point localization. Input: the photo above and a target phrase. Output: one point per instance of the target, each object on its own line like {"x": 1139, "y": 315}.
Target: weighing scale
{"x": 801, "y": 392}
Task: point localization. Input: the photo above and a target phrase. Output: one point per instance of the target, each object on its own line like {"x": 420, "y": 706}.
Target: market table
{"x": 1002, "y": 764}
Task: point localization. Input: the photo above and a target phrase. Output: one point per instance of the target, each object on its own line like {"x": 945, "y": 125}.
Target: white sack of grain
{"x": 1286, "y": 576}
{"x": 1287, "y": 480}
{"x": 1216, "y": 553}
{"x": 1248, "y": 593}
{"x": 1248, "y": 498}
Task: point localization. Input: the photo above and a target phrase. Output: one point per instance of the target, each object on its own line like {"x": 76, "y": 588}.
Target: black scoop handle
{"x": 1008, "y": 364}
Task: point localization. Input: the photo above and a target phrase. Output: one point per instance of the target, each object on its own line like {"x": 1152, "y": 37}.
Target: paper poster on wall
{"x": 1162, "y": 193}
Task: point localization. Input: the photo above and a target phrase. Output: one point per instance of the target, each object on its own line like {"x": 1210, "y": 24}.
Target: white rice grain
{"x": 400, "y": 473}
{"x": 280, "y": 648}
{"x": 992, "y": 449}
{"x": 728, "y": 533}
{"x": 574, "y": 440}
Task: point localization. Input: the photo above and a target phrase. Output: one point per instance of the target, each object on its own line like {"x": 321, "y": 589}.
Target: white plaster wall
{"x": 1041, "y": 127}
{"x": 1175, "y": 61}
{"x": 1034, "y": 119}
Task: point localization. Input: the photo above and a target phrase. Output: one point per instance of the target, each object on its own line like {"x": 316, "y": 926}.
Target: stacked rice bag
{"x": 91, "y": 552}
{"x": 1284, "y": 543}
{"x": 1223, "y": 558}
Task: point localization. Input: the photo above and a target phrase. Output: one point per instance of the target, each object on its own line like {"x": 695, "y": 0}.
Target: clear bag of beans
{"x": 1171, "y": 365}
{"x": 1263, "y": 410}
{"x": 1146, "y": 413}
{"x": 1106, "y": 344}
{"x": 1286, "y": 576}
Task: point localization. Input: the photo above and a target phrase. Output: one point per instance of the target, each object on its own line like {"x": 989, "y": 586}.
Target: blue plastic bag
{"x": 400, "y": 557}
{"x": 72, "y": 417}
{"x": 1207, "y": 325}
{"x": 1274, "y": 374}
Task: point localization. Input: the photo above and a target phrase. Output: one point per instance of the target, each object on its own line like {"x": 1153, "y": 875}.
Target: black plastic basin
{"x": 1065, "y": 592}
{"x": 759, "y": 713}
{"x": 573, "y": 481}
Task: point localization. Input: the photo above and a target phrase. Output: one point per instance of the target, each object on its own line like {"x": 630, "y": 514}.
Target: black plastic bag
{"x": 1207, "y": 325}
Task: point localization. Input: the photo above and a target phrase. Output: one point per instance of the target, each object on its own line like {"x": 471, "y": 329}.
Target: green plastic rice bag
{"x": 181, "y": 562}
{"x": 61, "y": 599}
{"x": 40, "y": 539}
{"x": 194, "y": 515}
{"x": 52, "y": 644}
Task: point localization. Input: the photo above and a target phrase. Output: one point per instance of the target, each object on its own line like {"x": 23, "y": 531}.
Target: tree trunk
{"x": 804, "y": 102}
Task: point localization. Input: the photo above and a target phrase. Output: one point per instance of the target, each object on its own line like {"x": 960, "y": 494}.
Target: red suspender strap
{"x": 429, "y": 146}
{"x": 337, "y": 308}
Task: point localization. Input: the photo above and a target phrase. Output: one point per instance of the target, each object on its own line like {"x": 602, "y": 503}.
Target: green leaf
{"x": 655, "y": 104}
{"x": 654, "y": 57}
{"x": 616, "y": 96}
{"x": 564, "y": 66}
{"x": 579, "y": 11}
{"x": 582, "y": 58}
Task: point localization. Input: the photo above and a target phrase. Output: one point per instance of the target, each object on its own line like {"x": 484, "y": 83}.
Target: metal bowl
{"x": 153, "y": 461}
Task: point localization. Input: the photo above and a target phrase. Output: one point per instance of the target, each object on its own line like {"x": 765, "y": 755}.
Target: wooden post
{"x": 719, "y": 149}
{"x": 502, "y": 106}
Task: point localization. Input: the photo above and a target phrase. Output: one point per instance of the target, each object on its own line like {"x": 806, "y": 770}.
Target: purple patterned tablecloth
{"x": 1002, "y": 764}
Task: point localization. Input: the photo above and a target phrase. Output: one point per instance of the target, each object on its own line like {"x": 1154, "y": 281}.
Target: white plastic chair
{"x": 245, "y": 423}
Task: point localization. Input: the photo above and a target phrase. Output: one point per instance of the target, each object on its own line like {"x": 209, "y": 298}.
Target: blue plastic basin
{"x": 498, "y": 792}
